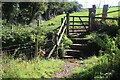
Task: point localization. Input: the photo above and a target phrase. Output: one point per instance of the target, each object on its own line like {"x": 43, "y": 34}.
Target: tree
{"x": 24, "y": 13}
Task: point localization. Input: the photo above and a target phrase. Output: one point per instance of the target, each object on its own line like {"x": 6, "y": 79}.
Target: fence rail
{"x": 110, "y": 18}
{"x": 108, "y": 12}
{"x": 59, "y": 37}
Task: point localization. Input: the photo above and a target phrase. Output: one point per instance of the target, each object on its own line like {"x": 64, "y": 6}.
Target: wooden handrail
{"x": 51, "y": 51}
{"x": 61, "y": 26}
{"x": 61, "y": 36}
{"x": 58, "y": 39}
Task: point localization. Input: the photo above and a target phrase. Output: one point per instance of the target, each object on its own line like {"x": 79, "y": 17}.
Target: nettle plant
{"x": 107, "y": 44}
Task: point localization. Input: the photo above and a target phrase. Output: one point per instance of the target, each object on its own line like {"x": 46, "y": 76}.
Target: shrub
{"x": 106, "y": 43}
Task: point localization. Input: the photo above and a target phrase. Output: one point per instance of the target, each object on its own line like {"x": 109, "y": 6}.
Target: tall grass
{"x": 37, "y": 68}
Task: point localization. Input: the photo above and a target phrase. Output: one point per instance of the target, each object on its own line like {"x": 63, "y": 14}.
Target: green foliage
{"x": 37, "y": 68}
{"x": 17, "y": 36}
{"x": 24, "y": 13}
{"x": 66, "y": 42}
{"x": 117, "y": 39}
{"x": 104, "y": 67}
{"x": 106, "y": 43}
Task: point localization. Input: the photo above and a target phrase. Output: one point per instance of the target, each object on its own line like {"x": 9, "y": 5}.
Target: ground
{"x": 67, "y": 69}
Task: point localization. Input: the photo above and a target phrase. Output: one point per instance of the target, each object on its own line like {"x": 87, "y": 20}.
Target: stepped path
{"x": 80, "y": 47}
{"x": 77, "y": 50}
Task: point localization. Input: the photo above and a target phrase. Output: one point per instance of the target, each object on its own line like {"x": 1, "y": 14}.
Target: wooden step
{"x": 78, "y": 28}
{"x": 72, "y": 51}
{"x": 78, "y": 46}
{"x": 77, "y": 35}
{"x": 80, "y": 40}
{"x": 68, "y": 57}
{"x": 78, "y": 31}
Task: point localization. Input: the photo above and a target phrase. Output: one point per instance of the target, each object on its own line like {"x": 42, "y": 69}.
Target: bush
{"x": 117, "y": 39}
{"x": 106, "y": 43}
{"x": 109, "y": 27}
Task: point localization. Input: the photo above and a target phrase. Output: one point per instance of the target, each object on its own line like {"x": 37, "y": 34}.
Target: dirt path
{"x": 66, "y": 70}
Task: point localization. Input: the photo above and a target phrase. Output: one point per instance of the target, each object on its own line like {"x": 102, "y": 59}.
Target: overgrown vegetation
{"x": 36, "y": 68}
{"x": 104, "y": 66}
{"x": 107, "y": 64}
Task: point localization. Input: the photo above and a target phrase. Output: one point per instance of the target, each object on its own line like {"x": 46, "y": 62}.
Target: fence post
{"x": 36, "y": 46}
{"x": 56, "y": 42}
{"x": 61, "y": 21}
{"x": 94, "y": 9}
{"x": 36, "y": 39}
{"x": 73, "y": 25}
{"x": 90, "y": 11}
{"x": 67, "y": 17}
{"x": 104, "y": 13}
{"x": 92, "y": 21}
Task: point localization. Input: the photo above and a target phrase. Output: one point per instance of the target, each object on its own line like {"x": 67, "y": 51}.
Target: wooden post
{"x": 67, "y": 16}
{"x": 73, "y": 25}
{"x": 61, "y": 21}
{"x": 90, "y": 11}
{"x": 92, "y": 21}
{"x": 36, "y": 46}
{"x": 56, "y": 42}
{"x": 94, "y": 9}
{"x": 104, "y": 13}
{"x": 36, "y": 39}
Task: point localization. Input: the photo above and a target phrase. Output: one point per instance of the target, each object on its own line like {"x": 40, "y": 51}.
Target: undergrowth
{"x": 36, "y": 68}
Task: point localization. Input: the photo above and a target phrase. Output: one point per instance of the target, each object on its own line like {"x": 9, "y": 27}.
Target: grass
{"x": 115, "y": 14}
{"x": 37, "y": 68}
{"x": 98, "y": 68}
{"x": 55, "y": 22}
